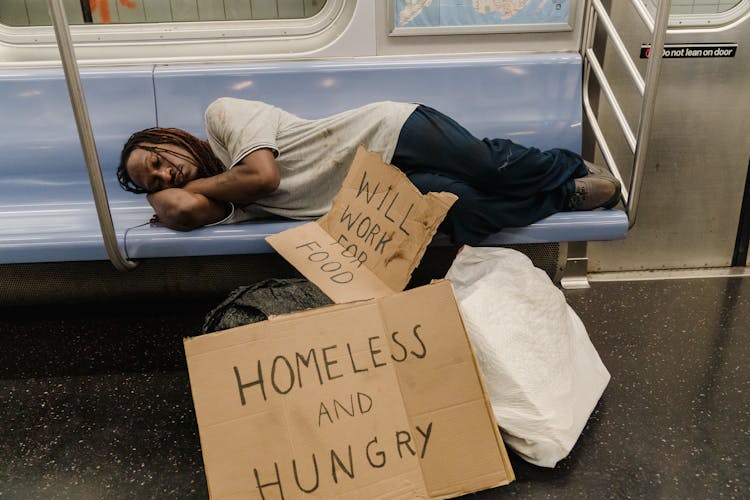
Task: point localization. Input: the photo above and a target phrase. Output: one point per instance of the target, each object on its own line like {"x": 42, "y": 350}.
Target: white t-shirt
{"x": 313, "y": 156}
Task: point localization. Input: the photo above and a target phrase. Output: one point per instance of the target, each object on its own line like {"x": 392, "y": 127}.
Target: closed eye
{"x": 156, "y": 181}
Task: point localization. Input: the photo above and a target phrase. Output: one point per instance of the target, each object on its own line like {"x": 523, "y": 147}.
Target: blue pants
{"x": 498, "y": 183}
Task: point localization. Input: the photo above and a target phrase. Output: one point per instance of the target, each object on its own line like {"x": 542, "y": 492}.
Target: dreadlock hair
{"x": 200, "y": 151}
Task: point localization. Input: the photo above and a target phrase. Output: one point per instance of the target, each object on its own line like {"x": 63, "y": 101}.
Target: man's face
{"x": 159, "y": 166}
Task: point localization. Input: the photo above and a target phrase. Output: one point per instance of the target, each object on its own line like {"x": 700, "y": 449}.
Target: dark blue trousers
{"x": 499, "y": 183}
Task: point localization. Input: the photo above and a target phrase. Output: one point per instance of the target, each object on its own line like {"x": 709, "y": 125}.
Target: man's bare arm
{"x": 254, "y": 177}
{"x": 182, "y": 210}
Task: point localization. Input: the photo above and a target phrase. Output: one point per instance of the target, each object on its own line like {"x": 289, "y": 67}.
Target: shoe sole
{"x": 616, "y": 197}
{"x": 604, "y": 173}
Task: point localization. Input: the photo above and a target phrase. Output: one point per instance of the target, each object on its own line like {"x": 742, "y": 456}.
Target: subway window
{"x": 702, "y": 6}
{"x": 705, "y": 13}
{"x": 34, "y": 12}
{"x": 169, "y": 30}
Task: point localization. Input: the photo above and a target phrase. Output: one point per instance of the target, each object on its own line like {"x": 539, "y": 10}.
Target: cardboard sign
{"x": 373, "y": 237}
{"x": 379, "y": 398}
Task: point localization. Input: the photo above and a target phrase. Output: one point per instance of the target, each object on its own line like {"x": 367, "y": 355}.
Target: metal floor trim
{"x": 670, "y": 274}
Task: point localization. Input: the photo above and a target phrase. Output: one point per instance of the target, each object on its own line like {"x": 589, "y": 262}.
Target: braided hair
{"x": 200, "y": 153}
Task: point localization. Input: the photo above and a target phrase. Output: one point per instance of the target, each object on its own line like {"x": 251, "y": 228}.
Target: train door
{"x": 697, "y": 162}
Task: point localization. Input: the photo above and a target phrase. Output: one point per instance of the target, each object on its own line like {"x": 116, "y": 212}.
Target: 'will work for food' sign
{"x": 373, "y": 237}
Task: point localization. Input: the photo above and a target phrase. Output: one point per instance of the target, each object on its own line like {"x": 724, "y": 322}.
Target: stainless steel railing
{"x": 86, "y": 135}
{"x": 638, "y": 141}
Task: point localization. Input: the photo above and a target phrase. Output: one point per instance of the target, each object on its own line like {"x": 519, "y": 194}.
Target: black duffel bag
{"x": 253, "y": 303}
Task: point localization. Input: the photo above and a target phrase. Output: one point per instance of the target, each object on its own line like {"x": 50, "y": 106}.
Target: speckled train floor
{"x": 95, "y": 401}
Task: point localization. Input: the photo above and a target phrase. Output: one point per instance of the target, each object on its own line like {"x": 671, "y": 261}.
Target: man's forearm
{"x": 254, "y": 177}
{"x": 233, "y": 186}
{"x": 182, "y": 210}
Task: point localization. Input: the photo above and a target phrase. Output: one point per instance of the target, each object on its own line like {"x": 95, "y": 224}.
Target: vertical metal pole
{"x": 86, "y": 135}
{"x": 653, "y": 71}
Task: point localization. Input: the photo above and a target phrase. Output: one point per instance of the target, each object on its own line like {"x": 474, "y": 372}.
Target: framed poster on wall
{"x": 448, "y": 17}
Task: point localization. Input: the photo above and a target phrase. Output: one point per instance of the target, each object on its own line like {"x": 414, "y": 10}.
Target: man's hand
{"x": 253, "y": 178}
{"x": 182, "y": 210}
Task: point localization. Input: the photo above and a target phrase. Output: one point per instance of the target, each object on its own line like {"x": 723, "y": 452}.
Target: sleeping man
{"x": 261, "y": 161}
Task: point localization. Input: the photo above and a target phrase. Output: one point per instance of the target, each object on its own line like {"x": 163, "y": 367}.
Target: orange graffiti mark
{"x": 103, "y": 7}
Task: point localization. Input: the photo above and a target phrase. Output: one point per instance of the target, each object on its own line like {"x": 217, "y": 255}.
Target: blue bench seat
{"x": 46, "y": 207}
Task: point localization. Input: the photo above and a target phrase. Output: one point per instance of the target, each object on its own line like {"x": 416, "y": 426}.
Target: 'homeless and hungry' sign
{"x": 360, "y": 400}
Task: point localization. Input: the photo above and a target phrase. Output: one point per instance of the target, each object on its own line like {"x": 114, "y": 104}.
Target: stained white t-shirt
{"x": 313, "y": 156}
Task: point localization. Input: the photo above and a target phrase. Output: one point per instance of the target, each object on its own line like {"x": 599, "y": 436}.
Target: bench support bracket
{"x": 576, "y": 269}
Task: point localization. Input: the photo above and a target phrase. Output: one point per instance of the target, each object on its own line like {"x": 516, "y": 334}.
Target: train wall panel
{"x": 698, "y": 154}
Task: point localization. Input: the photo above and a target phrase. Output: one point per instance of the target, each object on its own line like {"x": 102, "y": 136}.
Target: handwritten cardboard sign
{"x": 378, "y": 398}
{"x": 373, "y": 237}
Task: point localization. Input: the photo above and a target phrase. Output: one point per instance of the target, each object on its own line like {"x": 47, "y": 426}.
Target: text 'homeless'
{"x": 322, "y": 364}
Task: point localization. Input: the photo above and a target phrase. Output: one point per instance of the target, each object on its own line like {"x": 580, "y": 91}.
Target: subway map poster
{"x": 457, "y": 16}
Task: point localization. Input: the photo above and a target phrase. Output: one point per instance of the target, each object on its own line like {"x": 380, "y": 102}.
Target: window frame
{"x": 179, "y": 32}
{"x": 706, "y": 21}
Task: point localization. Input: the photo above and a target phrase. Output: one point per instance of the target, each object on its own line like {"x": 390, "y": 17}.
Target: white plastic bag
{"x": 542, "y": 374}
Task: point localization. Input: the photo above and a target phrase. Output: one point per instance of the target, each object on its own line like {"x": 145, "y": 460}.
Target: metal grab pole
{"x": 86, "y": 135}
{"x": 653, "y": 70}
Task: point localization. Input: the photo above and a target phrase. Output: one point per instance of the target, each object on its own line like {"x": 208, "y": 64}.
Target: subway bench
{"x": 47, "y": 212}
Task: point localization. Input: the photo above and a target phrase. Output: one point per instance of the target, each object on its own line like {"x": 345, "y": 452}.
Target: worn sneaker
{"x": 595, "y": 191}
